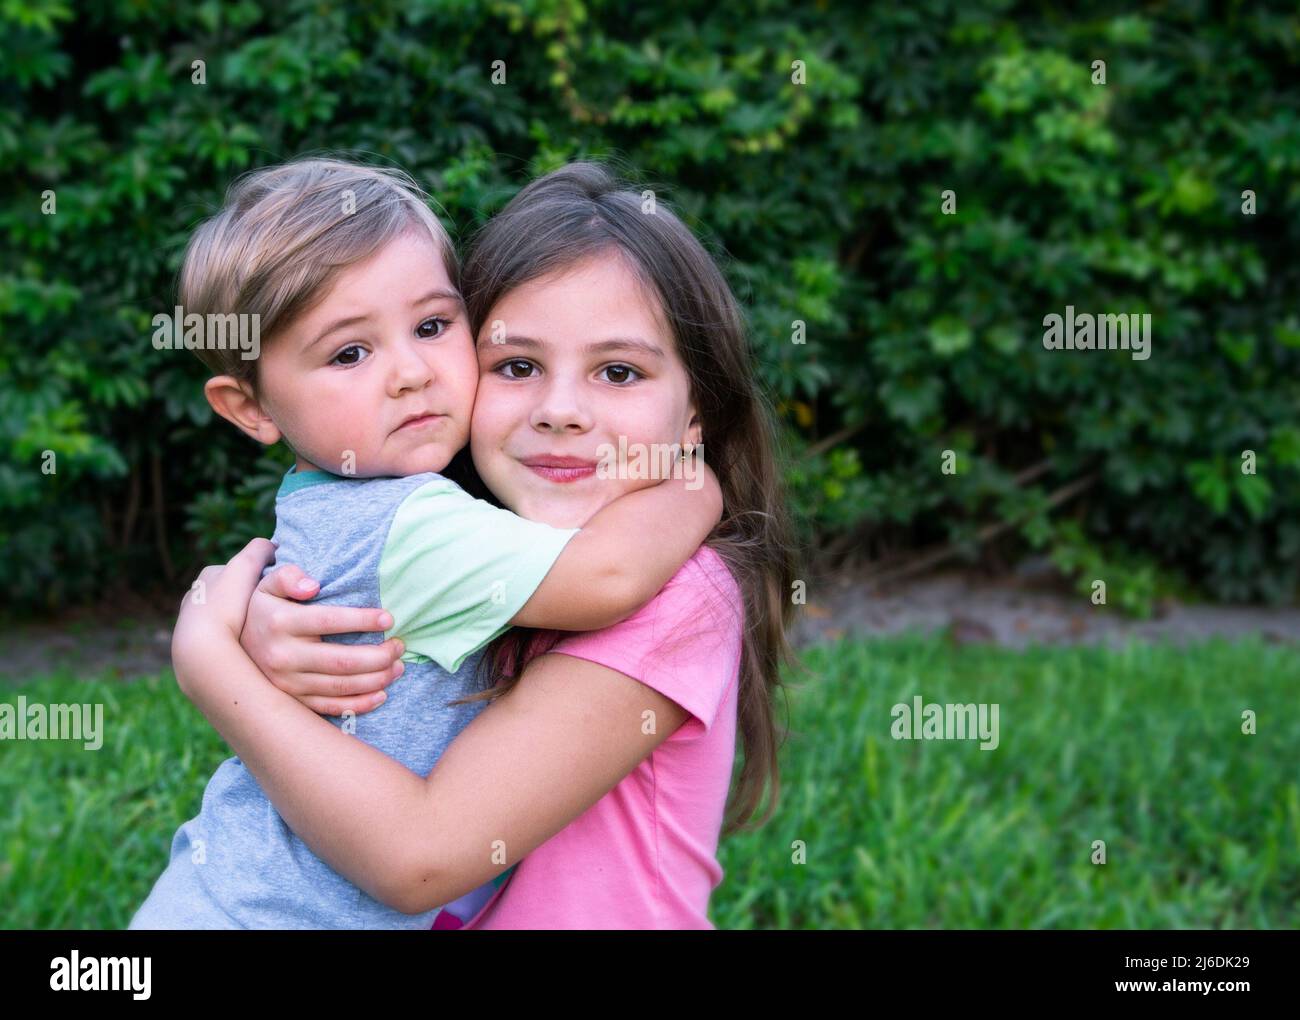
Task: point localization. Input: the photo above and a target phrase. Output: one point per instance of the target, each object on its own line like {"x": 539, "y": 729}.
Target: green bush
{"x": 922, "y": 330}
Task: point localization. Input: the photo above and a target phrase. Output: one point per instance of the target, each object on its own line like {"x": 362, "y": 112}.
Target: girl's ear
{"x": 694, "y": 434}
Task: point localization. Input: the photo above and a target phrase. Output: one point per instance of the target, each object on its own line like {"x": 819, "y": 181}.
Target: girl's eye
{"x": 342, "y": 359}
{"x": 507, "y": 368}
{"x": 423, "y": 329}
{"x": 624, "y": 373}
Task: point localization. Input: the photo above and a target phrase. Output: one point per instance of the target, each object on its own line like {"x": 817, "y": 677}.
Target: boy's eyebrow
{"x": 611, "y": 346}
{"x": 437, "y": 293}
{"x": 333, "y": 326}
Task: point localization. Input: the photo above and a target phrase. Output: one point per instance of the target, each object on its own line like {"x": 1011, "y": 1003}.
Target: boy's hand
{"x": 284, "y": 640}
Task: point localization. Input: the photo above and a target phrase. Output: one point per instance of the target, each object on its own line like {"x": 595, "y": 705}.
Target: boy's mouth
{"x": 560, "y": 469}
{"x": 420, "y": 421}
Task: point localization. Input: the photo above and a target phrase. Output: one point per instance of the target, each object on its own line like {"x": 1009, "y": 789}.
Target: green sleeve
{"x": 455, "y": 570}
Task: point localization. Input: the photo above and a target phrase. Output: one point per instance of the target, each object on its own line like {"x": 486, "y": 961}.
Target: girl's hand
{"x": 284, "y": 640}
{"x": 214, "y": 608}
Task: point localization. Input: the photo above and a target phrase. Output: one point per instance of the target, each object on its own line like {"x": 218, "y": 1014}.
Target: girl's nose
{"x": 561, "y": 409}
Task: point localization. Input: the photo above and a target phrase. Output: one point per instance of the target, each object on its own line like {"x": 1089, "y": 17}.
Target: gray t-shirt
{"x": 453, "y": 571}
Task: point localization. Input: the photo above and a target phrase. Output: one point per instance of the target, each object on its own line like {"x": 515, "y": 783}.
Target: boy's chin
{"x": 432, "y": 458}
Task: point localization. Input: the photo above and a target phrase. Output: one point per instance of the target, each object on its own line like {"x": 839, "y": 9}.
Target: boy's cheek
{"x": 459, "y": 438}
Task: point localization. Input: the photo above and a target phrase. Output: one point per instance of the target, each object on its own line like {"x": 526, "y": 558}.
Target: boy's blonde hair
{"x": 283, "y": 235}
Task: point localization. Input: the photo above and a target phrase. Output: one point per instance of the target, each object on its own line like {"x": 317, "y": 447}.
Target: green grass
{"x": 1141, "y": 748}
{"x": 86, "y": 833}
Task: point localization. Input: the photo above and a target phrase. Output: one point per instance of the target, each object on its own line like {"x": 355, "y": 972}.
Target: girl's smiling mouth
{"x": 561, "y": 469}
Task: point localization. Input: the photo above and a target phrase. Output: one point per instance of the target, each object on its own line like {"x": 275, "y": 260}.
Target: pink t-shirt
{"x": 643, "y": 856}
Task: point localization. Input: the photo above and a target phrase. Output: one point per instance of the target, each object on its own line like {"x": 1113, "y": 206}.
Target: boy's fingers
{"x": 338, "y": 620}
{"x": 328, "y": 662}
{"x": 367, "y": 685}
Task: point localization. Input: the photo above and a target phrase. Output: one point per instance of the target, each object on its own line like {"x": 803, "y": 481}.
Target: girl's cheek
{"x": 485, "y": 422}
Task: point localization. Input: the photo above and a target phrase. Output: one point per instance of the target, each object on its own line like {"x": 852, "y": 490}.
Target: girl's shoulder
{"x": 685, "y": 643}
{"x": 704, "y": 582}
{"x": 706, "y": 562}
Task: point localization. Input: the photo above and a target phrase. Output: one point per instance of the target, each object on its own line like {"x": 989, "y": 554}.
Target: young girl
{"x": 603, "y": 765}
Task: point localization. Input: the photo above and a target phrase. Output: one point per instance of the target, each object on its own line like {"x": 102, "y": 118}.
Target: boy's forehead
{"x": 387, "y": 283}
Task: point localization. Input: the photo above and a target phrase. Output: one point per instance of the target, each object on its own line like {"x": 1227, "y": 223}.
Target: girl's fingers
{"x": 247, "y": 564}
{"x": 337, "y": 706}
{"x": 221, "y": 594}
{"x": 289, "y": 582}
{"x": 329, "y": 685}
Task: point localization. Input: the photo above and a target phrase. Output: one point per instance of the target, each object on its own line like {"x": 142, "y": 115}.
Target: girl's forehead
{"x": 593, "y": 301}
{"x": 594, "y": 346}
{"x": 605, "y": 281}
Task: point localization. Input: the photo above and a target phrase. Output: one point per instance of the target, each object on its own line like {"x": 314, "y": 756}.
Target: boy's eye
{"x": 342, "y": 357}
{"x": 434, "y": 326}
{"x": 623, "y": 373}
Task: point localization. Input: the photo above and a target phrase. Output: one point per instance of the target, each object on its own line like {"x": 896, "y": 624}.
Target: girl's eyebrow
{"x": 629, "y": 343}
{"x": 612, "y": 345}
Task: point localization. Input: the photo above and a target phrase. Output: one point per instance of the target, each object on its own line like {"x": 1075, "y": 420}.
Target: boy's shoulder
{"x": 321, "y": 488}
{"x": 398, "y": 490}
{"x": 326, "y": 520}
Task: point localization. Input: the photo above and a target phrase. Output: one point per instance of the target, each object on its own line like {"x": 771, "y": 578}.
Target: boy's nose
{"x": 409, "y": 369}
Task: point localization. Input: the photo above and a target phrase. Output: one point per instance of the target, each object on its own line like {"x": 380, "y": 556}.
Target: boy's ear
{"x": 234, "y": 401}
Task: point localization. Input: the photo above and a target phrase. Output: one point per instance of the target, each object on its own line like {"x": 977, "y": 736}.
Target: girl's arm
{"x": 628, "y": 551}
{"x": 511, "y": 780}
{"x": 614, "y": 565}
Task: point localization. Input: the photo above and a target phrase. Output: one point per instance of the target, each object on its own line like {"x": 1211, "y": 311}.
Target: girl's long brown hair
{"x": 583, "y": 210}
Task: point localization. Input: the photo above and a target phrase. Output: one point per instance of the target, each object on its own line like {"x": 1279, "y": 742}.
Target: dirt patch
{"x": 1028, "y": 606}
{"x": 1032, "y": 605}
{"x": 88, "y": 644}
